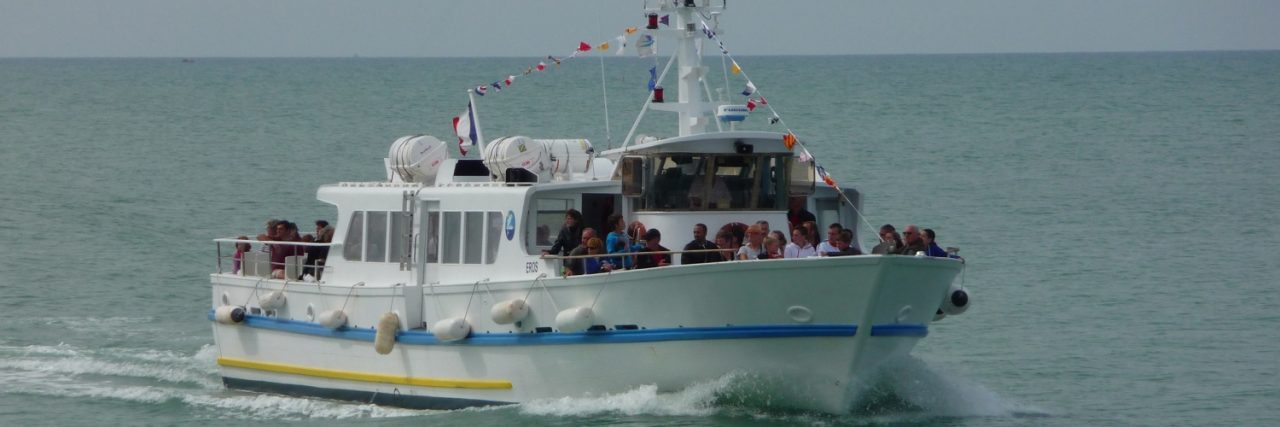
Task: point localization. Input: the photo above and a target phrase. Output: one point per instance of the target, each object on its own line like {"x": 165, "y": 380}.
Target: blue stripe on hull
{"x": 417, "y": 337}
{"x": 386, "y": 399}
{"x": 899, "y": 330}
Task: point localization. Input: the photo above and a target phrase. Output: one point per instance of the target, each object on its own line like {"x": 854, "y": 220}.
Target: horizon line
{"x": 358, "y": 56}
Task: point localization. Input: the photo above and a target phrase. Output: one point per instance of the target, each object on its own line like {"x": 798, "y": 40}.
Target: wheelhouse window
{"x": 679, "y": 182}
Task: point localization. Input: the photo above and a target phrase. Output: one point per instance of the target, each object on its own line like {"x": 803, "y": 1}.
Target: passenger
{"x": 913, "y": 242}
{"x": 574, "y": 266}
{"x": 796, "y": 213}
{"x": 811, "y": 234}
{"x": 779, "y": 236}
{"x": 931, "y": 246}
{"x": 739, "y": 231}
{"x": 288, "y": 232}
{"x": 317, "y": 256}
{"x": 764, "y": 226}
{"x": 755, "y": 244}
{"x": 617, "y": 242}
{"x": 636, "y": 231}
{"x": 799, "y": 246}
{"x": 653, "y": 243}
{"x": 569, "y": 236}
{"x": 237, "y": 260}
{"x": 889, "y": 241}
{"x": 271, "y": 235}
{"x": 846, "y": 244}
{"x": 728, "y": 245}
{"x": 595, "y": 264}
{"x": 832, "y": 244}
{"x": 772, "y": 249}
{"x": 309, "y": 251}
{"x": 700, "y": 242}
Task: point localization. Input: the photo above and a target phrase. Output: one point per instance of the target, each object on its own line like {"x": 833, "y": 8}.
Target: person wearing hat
{"x": 652, "y": 243}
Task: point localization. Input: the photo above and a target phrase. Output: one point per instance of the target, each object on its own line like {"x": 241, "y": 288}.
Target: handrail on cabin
{"x": 618, "y": 254}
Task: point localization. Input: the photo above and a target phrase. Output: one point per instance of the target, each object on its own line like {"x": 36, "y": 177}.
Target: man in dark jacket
{"x": 912, "y": 241}
{"x": 700, "y": 242}
{"x": 569, "y": 235}
{"x": 652, "y": 243}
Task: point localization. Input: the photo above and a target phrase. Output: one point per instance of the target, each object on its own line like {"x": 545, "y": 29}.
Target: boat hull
{"x": 672, "y": 328}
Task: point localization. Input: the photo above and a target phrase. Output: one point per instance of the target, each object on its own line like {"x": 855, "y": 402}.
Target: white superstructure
{"x": 435, "y": 292}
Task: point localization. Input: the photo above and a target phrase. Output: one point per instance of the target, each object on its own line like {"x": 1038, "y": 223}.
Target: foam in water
{"x": 906, "y": 389}
{"x": 909, "y": 385}
{"x": 696, "y": 400}
{"x": 65, "y": 371}
{"x": 164, "y": 366}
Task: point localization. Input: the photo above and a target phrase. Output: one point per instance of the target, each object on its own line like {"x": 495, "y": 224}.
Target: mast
{"x": 694, "y": 111}
{"x": 692, "y": 120}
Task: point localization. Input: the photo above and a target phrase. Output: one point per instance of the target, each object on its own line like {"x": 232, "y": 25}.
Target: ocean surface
{"x": 1119, "y": 214}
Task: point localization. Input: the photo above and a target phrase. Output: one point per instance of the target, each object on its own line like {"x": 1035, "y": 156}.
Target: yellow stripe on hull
{"x": 363, "y": 376}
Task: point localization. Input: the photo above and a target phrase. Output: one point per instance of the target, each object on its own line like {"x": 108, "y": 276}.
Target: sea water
{"x": 1118, "y": 215}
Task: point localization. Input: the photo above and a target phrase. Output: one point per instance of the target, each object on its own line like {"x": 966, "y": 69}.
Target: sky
{"x": 517, "y": 28}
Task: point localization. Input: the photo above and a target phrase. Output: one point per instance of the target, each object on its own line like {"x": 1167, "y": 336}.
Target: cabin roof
{"x": 710, "y": 143}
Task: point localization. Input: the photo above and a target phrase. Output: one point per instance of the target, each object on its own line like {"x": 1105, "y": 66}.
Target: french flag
{"x": 464, "y": 125}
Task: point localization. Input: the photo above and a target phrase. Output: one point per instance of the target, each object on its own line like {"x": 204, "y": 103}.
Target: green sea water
{"x": 1118, "y": 213}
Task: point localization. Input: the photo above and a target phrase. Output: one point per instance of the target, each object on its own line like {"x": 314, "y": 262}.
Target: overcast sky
{"x": 415, "y": 28}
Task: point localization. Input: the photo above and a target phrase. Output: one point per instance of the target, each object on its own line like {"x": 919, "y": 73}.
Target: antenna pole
{"x": 608, "y": 135}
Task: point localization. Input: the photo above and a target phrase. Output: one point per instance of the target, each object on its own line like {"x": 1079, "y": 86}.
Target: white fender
{"x": 272, "y": 300}
{"x": 939, "y": 315}
{"x": 385, "y": 339}
{"x": 451, "y": 329}
{"x": 509, "y": 311}
{"x": 956, "y": 302}
{"x": 228, "y": 314}
{"x": 332, "y": 319}
{"x": 574, "y": 319}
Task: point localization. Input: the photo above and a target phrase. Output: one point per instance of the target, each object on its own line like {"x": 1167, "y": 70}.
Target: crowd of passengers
{"x": 637, "y": 247}
{"x": 279, "y": 232}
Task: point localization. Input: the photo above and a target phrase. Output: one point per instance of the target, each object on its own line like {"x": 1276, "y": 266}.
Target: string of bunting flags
{"x": 645, "y": 45}
{"x": 755, "y": 99}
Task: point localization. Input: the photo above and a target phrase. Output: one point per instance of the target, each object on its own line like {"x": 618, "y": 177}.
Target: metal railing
{"x": 732, "y": 256}
{"x": 257, "y": 260}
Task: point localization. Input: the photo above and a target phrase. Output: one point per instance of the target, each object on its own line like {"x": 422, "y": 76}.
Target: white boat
{"x": 436, "y": 292}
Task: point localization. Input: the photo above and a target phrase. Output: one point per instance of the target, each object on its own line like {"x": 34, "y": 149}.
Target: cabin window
{"x": 353, "y": 246}
{"x": 548, "y": 219}
{"x": 433, "y": 237}
{"x": 492, "y": 236}
{"x": 376, "y": 237}
{"x": 451, "y": 238}
{"x": 474, "y": 247}
{"x": 464, "y": 237}
{"x": 715, "y": 182}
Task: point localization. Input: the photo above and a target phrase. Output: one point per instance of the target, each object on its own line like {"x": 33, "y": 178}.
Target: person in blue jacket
{"x": 933, "y": 248}
{"x": 617, "y": 242}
